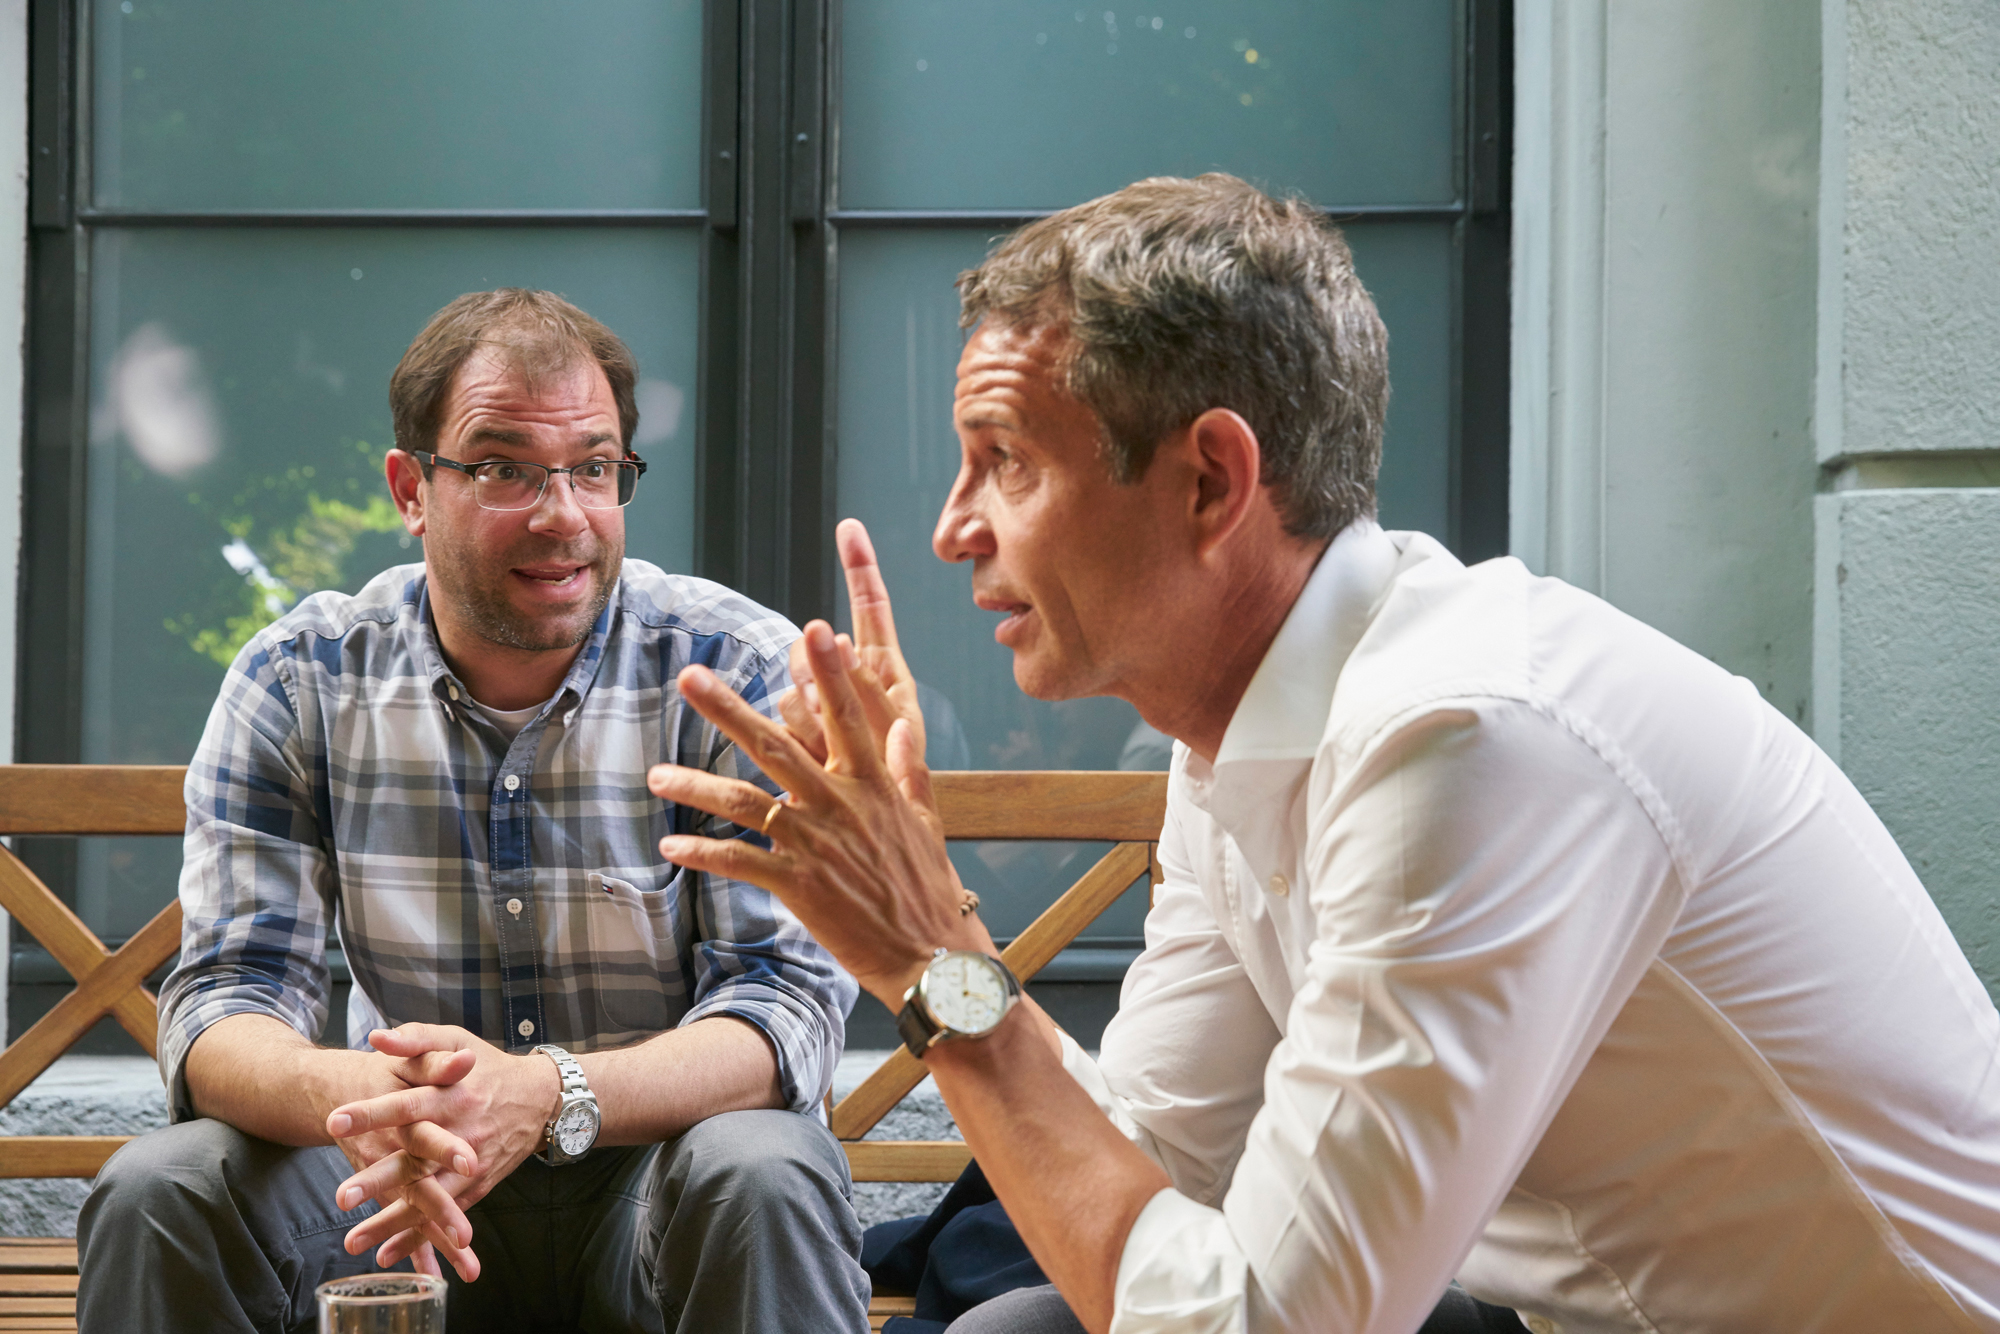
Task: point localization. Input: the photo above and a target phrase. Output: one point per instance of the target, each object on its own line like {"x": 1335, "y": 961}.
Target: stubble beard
{"x": 477, "y": 590}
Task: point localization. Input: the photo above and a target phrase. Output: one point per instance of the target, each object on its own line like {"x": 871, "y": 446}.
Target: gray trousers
{"x": 743, "y": 1223}
{"x": 1043, "y": 1311}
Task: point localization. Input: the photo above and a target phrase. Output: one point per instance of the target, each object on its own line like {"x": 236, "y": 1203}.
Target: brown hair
{"x": 539, "y": 334}
{"x": 1178, "y": 296}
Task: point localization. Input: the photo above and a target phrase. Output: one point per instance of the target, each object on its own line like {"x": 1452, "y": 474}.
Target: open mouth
{"x": 1014, "y": 615}
{"x": 554, "y": 578}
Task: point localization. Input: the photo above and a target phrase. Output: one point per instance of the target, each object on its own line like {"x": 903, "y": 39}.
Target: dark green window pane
{"x": 1038, "y": 104}
{"x": 250, "y": 104}
{"x": 239, "y": 418}
{"x": 899, "y": 343}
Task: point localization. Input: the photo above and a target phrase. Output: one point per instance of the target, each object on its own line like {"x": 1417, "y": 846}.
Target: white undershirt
{"x": 509, "y": 721}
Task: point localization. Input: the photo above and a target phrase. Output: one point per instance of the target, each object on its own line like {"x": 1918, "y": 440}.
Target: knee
{"x": 162, "y": 1165}
{"x": 759, "y": 1158}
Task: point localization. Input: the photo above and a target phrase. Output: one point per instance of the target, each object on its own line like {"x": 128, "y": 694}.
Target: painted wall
{"x": 1665, "y": 283}
{"x": 13, "y": 319}
{"x": 1907, "y": 653}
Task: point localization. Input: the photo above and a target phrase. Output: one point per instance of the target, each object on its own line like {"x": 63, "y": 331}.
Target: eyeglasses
{"x": 601, "y": 484}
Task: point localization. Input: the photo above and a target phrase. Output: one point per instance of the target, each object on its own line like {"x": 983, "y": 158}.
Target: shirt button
{"x": 514, "y": 906}
{"x": 511, "y": 782}
{"x": 1279, "y": 885}
{"x": 527, "y": 1028}
{"x": 452, "y": 688}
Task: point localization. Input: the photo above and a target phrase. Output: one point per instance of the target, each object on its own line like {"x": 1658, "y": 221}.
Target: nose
{"x": 962, "y": 531}
{"x": 558, "y": 510}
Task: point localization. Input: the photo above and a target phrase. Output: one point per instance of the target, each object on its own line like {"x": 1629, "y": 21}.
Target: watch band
{"x": 572, "y": 1073}
{"x": 915, "y": 1027}
{"x": 574, "y": 1087}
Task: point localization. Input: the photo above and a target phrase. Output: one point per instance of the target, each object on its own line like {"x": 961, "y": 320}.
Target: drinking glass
{"x": 382, "y": 1304}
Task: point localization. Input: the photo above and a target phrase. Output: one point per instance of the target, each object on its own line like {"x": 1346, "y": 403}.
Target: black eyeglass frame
{"x": 628, "y": 478}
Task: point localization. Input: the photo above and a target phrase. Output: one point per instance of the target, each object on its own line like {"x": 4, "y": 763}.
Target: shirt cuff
{"x": 1181, "y": 1271}
{"x": 806, "y": 1052}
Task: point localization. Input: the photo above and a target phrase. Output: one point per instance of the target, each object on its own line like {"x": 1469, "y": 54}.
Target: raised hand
{"x": 878, "y": 655}
{"x": 471, "y": 1114}
{"x": 857, "y": 854}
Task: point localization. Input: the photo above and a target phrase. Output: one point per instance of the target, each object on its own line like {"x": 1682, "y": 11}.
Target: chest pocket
{"x": 637, "y": 978}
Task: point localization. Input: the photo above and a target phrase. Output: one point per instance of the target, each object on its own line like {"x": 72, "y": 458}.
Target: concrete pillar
{"x": 1907, "y": 621}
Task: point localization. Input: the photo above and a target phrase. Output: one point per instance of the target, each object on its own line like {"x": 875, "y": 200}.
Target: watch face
{"x": 576, "y": 1129}
{"x": 966, "y": 992}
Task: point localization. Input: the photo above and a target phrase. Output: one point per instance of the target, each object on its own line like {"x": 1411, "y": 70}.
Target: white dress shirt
{"x": 1508, "y": 939}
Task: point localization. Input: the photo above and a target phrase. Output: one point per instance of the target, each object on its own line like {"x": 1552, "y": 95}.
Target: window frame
{"x": 766, "y": 445}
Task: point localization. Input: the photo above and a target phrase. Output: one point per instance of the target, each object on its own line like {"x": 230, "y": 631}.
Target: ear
{"x": 1227, "y": 463}
{"x": 406, "y": 488}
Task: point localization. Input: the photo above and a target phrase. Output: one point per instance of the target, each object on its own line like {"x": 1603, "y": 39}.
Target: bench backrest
{"x": 1124, "y": 809}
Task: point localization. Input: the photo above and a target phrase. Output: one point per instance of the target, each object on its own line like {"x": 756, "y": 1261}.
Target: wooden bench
{"x": 38, "y": 1275}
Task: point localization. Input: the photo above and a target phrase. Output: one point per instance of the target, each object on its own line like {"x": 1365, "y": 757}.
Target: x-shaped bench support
{"x": 106, "y": 983}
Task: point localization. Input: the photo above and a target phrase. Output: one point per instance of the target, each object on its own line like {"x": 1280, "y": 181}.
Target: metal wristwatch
{"x": 961, "y": 995}
{"x": 573, "y": 1128}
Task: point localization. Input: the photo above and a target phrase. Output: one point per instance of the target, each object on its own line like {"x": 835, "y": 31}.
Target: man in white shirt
{"x": 1500, "y": 938}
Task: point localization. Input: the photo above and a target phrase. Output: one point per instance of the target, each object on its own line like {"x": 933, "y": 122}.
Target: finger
{"x": 867, "y": 594}
{"x": 849, "y": 741}
{"x": 907, "y": 767}
{"x": 875, "y": 703}
{"x": 434, "y": 1202}
{"x": 412, "y": 1240}
{"x": 739, "y": 802}
{"x": 401, "y": 1108}
{"x": 402, "y": 1223}
{"x": 425, "y": 1260}
{"x": 436, "y": 1068}
{"x": 433, "y": 1143}
{"x": 735, "y": 858}
{"x": 764, "y": 740}
{"x": 417, "y": 1039}
{"x": 381, "y": 1180}
{"x": 800, "y": 711}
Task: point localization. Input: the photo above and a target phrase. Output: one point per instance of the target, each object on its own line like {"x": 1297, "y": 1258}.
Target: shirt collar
{"x": 1283, "y": 713}
{"x": 445, "y": 683}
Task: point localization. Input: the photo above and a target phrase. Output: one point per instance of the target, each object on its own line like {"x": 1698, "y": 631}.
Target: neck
{"x": 498, "y": 676}
{"x": 1221, "y": 643}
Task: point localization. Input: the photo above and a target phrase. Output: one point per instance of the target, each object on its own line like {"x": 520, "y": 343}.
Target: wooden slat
{"x": 57, "y": 1155}
{"x": 92, "y": 799}
{"x": 882, "y": 1307}
{"x": 1114, "y": 807}
{"x": 46, "y": 1306}
{"x": 37, "y": 1255}
{"x": 907, "y": 1159}
{"x": 1100, "y": 886}
{"x": 37, "y": 1285}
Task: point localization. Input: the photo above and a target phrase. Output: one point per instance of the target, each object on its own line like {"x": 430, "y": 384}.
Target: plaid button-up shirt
{"x": 346, "y": 783}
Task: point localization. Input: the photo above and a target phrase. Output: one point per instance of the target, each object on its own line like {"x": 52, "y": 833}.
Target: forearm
{"x": 658, "y": 1089}
{"x": 256, "y": 1073}
{"x": 1071, "y": 1182}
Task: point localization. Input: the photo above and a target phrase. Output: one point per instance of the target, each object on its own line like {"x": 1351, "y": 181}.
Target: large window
{"x": 242, "y": 212}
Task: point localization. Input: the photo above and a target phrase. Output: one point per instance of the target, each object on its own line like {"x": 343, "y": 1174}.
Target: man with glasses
{"x": 590, "y": 1082}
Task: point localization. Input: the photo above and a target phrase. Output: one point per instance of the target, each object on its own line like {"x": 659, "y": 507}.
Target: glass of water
{"x": 382, "y": 1304}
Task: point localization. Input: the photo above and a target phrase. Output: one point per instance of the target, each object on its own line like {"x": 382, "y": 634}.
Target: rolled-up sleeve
{"x": 1489, "y": 884}
{"x": 754, "y": 961}
{"x": 257, "y": 887}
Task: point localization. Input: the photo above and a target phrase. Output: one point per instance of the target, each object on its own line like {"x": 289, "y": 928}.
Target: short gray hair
{"x": 1178, "y": 296}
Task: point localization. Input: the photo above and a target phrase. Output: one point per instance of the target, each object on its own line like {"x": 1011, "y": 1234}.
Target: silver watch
{"x": 573, "y": 1128}
{"x": 962, "y": 994}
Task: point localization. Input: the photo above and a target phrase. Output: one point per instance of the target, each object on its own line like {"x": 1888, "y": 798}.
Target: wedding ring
{"x": 769, "y": 816}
